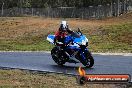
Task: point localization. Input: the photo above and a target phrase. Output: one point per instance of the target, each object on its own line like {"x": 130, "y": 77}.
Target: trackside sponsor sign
{"x": 102, "y": 78}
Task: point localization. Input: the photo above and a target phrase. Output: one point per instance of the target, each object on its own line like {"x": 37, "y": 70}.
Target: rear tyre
{"x": 57, "y": 56}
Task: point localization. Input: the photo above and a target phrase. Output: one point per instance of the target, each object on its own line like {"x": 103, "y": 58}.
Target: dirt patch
{"x": 15, "y": 27}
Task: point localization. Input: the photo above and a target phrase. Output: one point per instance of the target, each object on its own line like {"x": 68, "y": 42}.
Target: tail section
{"x": 50, "y": 38}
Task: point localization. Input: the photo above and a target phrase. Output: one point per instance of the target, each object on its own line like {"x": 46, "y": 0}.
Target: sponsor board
{"x": 102, "y": 78}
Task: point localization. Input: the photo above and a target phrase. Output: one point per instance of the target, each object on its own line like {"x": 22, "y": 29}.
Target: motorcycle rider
{"x": 62, "y": 33}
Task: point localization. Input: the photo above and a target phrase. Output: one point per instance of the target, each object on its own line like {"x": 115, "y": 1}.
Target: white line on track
{"x": 107, "y": 53}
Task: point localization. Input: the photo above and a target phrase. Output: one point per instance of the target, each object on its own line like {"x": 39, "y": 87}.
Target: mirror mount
{"x": 79, "y": 31}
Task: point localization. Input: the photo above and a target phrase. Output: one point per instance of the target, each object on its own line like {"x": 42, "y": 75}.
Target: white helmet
{"x": 63, "y": 26}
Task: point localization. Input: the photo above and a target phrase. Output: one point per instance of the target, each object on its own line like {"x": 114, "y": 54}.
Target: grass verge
{"x": 24, "y": 79}
{"x": 29, "y": 33}
{"x": 115, "y": 38}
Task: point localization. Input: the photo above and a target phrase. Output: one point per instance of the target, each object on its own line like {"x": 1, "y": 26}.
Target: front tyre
{"x": 88, "y": 61}
{"x": 58, "y": 56}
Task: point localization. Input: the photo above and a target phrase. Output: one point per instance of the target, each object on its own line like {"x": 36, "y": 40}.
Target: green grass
{"x": 114, "y": 38}
{"x": 35, "y": 46}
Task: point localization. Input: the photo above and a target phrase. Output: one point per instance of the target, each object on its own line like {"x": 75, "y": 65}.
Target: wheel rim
{"x": 88, "y": 62}
{"x": 57, "y": 58}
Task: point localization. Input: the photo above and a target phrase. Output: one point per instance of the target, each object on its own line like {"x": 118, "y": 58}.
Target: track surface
{"x": 41, "y": 61}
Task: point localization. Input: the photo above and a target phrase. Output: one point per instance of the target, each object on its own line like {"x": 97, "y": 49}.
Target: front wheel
{"x": 57, "y": 56}
{"x": 88, "y": 61}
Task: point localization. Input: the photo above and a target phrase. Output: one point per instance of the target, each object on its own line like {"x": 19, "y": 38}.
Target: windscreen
{"x": 75, "y": 34}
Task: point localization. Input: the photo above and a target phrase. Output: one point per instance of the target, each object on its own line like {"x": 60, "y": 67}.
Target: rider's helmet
{"x": 63, "y": 26}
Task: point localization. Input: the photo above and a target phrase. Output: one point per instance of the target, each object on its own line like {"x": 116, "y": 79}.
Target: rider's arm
{"x": 69, "y": 31}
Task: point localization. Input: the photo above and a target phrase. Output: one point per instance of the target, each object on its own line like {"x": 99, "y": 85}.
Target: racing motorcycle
{"x": 75, "y": 50}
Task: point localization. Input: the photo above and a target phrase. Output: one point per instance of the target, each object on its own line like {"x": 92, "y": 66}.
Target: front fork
{"x": 82, "y": 53}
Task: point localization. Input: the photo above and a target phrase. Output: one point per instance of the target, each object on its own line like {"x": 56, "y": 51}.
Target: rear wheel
{"x": 58, "y": 56}
{"x": 88, "y": 61}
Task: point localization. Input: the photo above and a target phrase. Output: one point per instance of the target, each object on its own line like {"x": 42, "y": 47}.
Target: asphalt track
{"x": 42, "y": 61}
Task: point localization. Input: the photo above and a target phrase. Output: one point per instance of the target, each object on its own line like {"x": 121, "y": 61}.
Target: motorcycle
{"x": 75, "y": 50}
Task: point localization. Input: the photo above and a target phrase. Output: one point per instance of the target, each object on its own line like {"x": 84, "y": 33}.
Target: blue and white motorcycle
{"x": 75, "y": 50}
